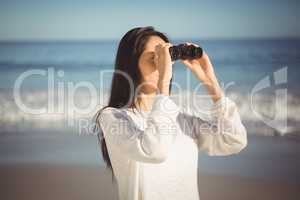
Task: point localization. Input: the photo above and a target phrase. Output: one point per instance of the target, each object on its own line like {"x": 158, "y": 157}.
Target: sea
{"x": 50, "y": 91}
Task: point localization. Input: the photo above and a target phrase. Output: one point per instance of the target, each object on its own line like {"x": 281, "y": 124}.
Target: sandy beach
{"x": 61, "y": 182}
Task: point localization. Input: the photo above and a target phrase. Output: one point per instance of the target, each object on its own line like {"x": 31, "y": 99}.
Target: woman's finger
{"x": 167, "y": 45}
{"x": 186, "y": 62}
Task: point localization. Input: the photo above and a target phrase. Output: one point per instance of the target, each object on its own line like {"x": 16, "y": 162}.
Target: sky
{"x": 95, "y": 19}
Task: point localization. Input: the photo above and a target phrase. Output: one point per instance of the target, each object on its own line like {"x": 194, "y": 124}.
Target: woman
{"x": 148, "y": 142}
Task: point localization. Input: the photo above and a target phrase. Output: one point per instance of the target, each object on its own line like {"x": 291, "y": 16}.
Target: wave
{"x": 72, "y": 113}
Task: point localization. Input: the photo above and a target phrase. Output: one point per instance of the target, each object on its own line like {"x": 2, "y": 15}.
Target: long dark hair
{"x": 123, "y": 92}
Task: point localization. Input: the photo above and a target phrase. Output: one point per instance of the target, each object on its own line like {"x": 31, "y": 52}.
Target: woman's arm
{"x": 225, "y": 133}
{"x": 222, "y": 134}
{"x": 203, "y": 70}
{"x": 149, "y": 145}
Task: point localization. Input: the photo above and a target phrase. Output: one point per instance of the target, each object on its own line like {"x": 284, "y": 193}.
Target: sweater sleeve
{"x": 222, "y": 134}
{"x": 149, "y": 145}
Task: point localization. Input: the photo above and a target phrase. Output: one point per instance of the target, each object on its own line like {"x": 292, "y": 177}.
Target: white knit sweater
{"x": 154, "y": 154}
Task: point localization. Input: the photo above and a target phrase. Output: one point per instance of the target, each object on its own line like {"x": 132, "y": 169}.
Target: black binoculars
{"x": 185, "y": 51}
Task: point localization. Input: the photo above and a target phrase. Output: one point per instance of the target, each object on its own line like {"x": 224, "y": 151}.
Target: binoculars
{"x": 185, "y": 51}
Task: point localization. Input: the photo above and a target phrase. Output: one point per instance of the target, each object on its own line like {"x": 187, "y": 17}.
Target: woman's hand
{"x": 163, "y": 63}
{"x": 203, "y": 70}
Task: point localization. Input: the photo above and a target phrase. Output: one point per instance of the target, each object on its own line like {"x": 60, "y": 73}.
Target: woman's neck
{"x": 145, "y": 101}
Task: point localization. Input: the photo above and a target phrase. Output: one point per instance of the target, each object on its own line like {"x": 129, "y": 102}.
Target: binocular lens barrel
{"x": 185, "y": 51}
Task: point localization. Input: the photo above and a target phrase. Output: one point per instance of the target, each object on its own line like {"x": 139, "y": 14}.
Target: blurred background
{"x": 254, "y": 47}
